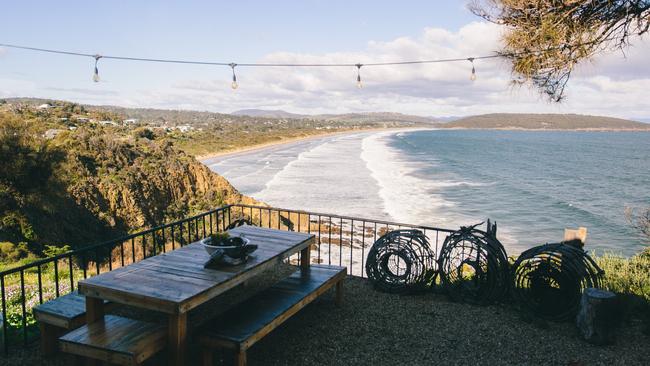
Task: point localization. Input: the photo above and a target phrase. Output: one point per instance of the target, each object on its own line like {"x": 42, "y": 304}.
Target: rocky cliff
{"x": 101, "y": 183}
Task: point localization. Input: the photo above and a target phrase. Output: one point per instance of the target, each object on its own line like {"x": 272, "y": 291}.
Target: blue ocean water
{"x": 533, "y": 183}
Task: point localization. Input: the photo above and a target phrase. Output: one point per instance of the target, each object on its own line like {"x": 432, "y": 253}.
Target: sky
{"x": 613, "y": 84}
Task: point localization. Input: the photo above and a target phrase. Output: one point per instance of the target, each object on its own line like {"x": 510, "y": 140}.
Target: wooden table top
{"x": 176, "y": 282}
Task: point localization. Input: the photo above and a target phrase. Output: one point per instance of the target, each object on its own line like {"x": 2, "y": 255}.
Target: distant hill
{"x": 376, "y": 117}
{"x": 370, "y": 117}
{"x": 545, "y": 122}
{"x": 267, "y": 113}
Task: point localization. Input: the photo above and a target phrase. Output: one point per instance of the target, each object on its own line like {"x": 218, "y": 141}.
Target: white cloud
{"x": 608, "y": 85}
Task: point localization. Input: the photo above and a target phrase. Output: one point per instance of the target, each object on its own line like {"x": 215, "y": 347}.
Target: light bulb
{"x": 234, "y": 84}
{"x": 96, "y": 74}
{"x": 359, "y": 83}
{"x": 472, "y": 77}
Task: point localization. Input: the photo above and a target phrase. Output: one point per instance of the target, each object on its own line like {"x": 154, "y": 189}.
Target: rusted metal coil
{"x": 548, "y": 280}
{"x": 473, "y": 265}
{"x": 401, "y": 261}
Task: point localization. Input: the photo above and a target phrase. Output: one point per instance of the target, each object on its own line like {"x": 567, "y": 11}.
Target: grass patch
{"x": 630, "y": 279}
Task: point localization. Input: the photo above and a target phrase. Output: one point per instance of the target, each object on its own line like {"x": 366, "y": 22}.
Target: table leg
{"x": 305, "y": 257}
{"x": 94, "y": 309}
{"x": 177, "y": 338}
{"x": 94, "y": 312}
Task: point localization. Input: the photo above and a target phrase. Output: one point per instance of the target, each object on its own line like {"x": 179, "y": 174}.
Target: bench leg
{"x": 207, "y": 356}
{"x": 49, "y": 335}
{"x": 339, "y": 293}
{"x": 240, "y": 358}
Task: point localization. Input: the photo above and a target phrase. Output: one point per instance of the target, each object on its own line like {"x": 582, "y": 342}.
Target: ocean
{"x": 532, "y": 183}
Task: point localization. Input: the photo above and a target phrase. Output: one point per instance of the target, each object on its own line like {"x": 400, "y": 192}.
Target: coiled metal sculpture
{"x": 548, "y": 280}
{"x": 473, "y": 265}
{"x": 401, "y": 261}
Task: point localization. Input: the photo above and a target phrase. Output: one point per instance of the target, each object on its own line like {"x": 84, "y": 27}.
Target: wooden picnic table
{"x": 176, "y": 282}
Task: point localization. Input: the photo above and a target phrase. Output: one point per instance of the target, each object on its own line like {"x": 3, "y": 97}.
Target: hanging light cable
{"x": 234, "y": 84}
{"x": 472, "y": 77}
{"x": 359, "y": 83}
{"x": 96, "y": 74}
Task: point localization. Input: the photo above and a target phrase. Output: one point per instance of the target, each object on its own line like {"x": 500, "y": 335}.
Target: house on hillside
{"x": 107, "y": 123}
{"x": 44, "y": 106}
{"x": 52, "y": 133}
{"x": 130, "y": 121}
{"x": 184, "y": 128}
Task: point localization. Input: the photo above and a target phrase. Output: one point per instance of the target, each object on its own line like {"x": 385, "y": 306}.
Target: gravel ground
{"x": 384, "y": 329}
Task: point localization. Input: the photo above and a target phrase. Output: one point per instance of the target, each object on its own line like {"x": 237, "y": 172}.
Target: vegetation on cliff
{"x": 92, "y": 183}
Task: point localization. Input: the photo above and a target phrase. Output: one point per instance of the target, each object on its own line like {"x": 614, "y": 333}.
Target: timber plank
{"x": 67, "y": 311}
{"x": 116, "y": 339}
{"x": 176, "y": 281}
{"x": 242, "y": 326}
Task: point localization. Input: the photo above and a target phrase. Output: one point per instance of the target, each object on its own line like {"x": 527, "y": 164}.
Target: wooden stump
{"x": 598, "y": 316}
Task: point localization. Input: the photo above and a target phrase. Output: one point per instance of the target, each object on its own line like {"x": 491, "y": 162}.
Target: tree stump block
{"x": 598, "y": 316}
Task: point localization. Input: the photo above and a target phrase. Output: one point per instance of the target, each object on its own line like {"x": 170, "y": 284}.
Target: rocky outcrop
{"x": 134, "y": 183}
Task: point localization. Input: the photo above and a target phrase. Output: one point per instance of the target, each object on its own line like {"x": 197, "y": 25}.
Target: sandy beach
{"x": 266, "y": 145}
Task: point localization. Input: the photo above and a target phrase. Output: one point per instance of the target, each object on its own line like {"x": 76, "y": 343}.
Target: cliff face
{"x": 137, "y": 182}
{"x": 101, "y": 183}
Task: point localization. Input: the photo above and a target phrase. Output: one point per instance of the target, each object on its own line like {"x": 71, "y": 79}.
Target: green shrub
{"x": 630, "y": 278}
{"x": 53, "y": 250}
{"x": 10, "y": 252}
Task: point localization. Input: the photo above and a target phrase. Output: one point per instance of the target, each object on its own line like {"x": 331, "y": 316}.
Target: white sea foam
{"x": 412, "y": 198}
{"x": 405, "y": 197}
{"x": 329, "y": 177}
{"x": 354, "y": 175}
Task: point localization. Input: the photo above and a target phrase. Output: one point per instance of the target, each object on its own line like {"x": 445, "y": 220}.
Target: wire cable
{"x": 262, "y": 64}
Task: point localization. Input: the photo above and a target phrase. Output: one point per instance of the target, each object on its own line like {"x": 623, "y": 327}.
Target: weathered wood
{"x": 207, "y": 357}
{"x": 177, "y": 338}
{"x": 66, "y": 312}
{"x": 305, "y": 257}
{"x": 56, "y": 316}
{"x": 176, "y": 281}
{"x": 240, "y": 358}
{"x": 241, "y": 327}
{"x": 94, "y": 309}
{"x": 115, "y": 340}
{"x": 598, "y": 316}
{"x": 49, "y": 334}
{"x": 339, "y": 293}
{"x": 579, "y": 233}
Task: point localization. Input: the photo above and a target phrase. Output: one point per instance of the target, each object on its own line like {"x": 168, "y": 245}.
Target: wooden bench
{"x": 239, "y": 328}
{"x": 55, "y": 317}
{"x": 116, "y": 340}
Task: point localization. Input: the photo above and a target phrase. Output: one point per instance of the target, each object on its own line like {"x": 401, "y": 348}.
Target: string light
{"x": 359, "y": 83}
{"x": 96, "y": 74}
{"x": 472, "y": 77}
{"x": 234, "y": 85}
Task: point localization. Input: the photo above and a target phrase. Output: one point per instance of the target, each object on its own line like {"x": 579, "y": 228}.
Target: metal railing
{"x": 340, "y": 240}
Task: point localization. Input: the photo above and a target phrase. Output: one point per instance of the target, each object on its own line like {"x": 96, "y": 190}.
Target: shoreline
{"x": 549, "y": 129}
{"x": 290, "y": 140}
{"x": 284, "y": 141}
